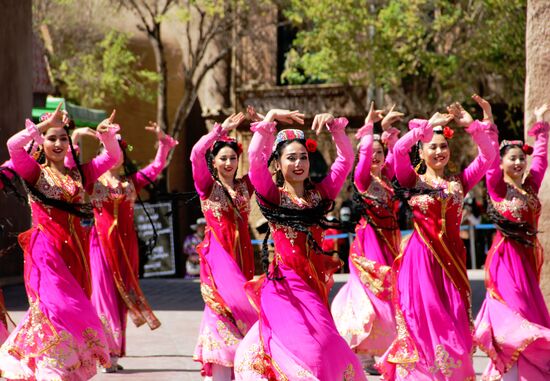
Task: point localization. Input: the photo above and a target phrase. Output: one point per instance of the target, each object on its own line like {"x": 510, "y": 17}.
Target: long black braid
{"x": 521, "y": 232}
{"x": 9, "y": 183}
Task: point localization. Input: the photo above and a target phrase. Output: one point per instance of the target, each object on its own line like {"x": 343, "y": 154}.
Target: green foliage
{"x": 107, "y": 72}
{"x": 90, "y": 62}
{"x": 424, "y": 53}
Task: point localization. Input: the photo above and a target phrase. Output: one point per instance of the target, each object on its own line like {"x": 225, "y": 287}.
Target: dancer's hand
{"x": 486, "y": 107}
{"x": 233, "y": 121}
{"x": 82, "y": 131}
{"x": 55, "y": 120}
{"x": 374, "y": 115}
{"x": 154, "y": 127}
{"x": 391, "y": 118}
{"x": 253, "y": 115}
{"x": 108, "y": 125}
{"x": 320, "y": 121}
{"x": 439, "y": 119}
{"x": 285, "y": 116}
{"x": 460, "y": 116}
{"x": 540, "y": 112}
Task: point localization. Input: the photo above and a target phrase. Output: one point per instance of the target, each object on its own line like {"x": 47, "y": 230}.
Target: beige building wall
{"x": 15, "y": 105}
{"x": 537, "y": 91}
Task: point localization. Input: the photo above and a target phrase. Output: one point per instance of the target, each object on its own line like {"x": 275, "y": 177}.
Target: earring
{"x": 419, "y": 165}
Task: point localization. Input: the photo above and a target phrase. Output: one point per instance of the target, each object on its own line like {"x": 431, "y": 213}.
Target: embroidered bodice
{"x": 105, "y": 191}
{"x": 219, "y": 208}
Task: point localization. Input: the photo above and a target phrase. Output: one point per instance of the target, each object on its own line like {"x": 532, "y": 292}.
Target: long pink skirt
{"x": 434, "y": 337}
{"x": 295, "y": 338}
{"x": 110, "y": 307}
{"x": 3, "y": 333}
{"x": 513, "y": 327}
{"x": 228, "y": 314}
{"x": 60, "y": 337}
{"x": 365, "y": 318}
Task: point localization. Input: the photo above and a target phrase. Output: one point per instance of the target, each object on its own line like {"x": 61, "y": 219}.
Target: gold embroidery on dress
{"x": 444, "y": 363}
{"x": 349, "y": 374}
{"x": 218, "y": 203}
{"x": 451, "y": 189}
{"x": 104, "y": 191}
{"x": 208, "y": 341}
{"x": 225, "y": 332}
{"x": 208, "y": 295}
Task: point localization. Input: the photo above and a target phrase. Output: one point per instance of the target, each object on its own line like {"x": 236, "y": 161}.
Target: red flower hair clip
{"x": 527, "y": 149}
{"x": 239, "y": 148}
{"x": 311, "y": 145}
{"x": 448, "y": 132}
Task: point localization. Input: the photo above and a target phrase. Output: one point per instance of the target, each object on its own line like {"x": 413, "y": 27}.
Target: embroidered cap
{"x": 288, "y": 134}
{"x": 505, "y": 143}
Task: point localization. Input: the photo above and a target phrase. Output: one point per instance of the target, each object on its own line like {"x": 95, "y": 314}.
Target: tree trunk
{"x": 162, "y": 88}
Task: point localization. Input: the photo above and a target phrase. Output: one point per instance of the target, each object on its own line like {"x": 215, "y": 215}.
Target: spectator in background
{"x": 191, "y": 257}
{"x": 334, "y": 245}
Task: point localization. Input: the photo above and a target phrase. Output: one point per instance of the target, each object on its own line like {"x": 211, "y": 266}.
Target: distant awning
{"x": 82, "y": 116}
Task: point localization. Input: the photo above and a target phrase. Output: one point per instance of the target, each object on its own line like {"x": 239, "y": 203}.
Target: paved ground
{"x": 166, "y": 353}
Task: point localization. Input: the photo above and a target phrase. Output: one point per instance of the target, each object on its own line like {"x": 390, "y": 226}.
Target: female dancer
{"x": 295, "y": 337}
{"x": 513, "y": 325}
{"x": 114, "y": 248}
{"x": 61, "y": 336}
{"x": 227, "y": 257}
{"x": 430, "y": 285}
{"x": 362, "y": 309}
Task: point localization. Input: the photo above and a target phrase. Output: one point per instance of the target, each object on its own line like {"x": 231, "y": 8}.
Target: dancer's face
{"x": 436, "y": 153}
{"x": 513, "y": 163}
{"x": 56, "y": 144}
{"x": 226, "y": 162}
{"x": 378, "y": 157}
{"x": 294, "y": 163}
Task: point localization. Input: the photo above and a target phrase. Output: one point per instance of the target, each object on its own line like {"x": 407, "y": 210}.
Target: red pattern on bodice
{"x": 293, "y": 250}
{"x": 230, "y": 226}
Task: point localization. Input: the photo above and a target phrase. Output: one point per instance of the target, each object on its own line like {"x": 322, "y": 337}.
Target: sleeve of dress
{"x": 404, "y": 171}
{"x": 539, "y": 162}
{"x": 340, "y": 169}
{"x": 362, "y": 177}
{"x": 150, "y": 173}
{"x": 390, "y": 137}
{"x": 483, "y": 134}
{"x": 496, "y": 186}
{"x": 69, "y": 159}
{"x": 23, "y": 163}
{"x": 201, "y": 176}
{"x": 259, "y": 152}
{"x": 249, "y": 185}
{"x": 100, "y": 164}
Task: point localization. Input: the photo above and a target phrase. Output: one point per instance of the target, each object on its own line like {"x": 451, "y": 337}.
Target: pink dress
{"x": 295, "y": 337}
{"x": 430, "y": 283}
{"x": 513, "y": 325}
{"x": 114, "y": 253}
{"x": 362, "y": 309}
{"x": 3, "y": 320}
{"x": 60, "y": 337}
{"x": 226, "y": 262}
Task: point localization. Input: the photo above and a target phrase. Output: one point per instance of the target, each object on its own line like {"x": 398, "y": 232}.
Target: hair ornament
{"x": 505, "y": 143}
{"x": 448, "y": 132}
{"x": 229, "y": 139}
{"x": 288, "y": 134}
{"x": 311, "y": 145}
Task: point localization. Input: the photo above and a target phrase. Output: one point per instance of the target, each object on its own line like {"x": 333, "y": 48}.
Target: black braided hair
{"x": 297, "y": 219}
{"x": 518, "y": 231}
{"x": 210, "y": 155}
{"x": 9, "y": 182}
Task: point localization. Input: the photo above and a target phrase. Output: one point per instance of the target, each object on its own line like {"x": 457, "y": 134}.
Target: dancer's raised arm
{"x": 540, "y": 129}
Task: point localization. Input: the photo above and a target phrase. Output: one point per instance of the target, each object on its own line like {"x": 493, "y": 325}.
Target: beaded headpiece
{"x": 229, "y": 139}
{"x": 288, "y": 134}
{"x": 526, "y": 148}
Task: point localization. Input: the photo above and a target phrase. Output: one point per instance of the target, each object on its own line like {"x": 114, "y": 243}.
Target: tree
{"x": 423, "y": 53}
{"x": 89, "y": 60}
{"x": 210, "y": 33}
